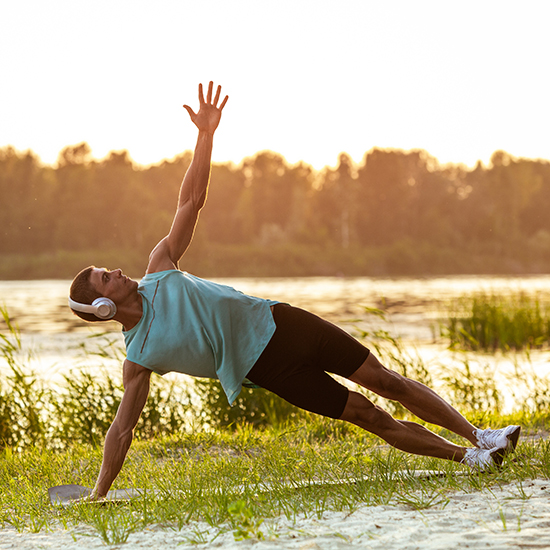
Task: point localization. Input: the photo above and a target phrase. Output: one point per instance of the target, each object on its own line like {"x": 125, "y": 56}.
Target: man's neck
{"x": 130, "y": 313}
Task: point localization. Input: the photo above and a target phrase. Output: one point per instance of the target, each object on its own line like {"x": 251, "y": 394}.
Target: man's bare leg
{"x": 416, "y": 397}
{"x": 406, "y": 436}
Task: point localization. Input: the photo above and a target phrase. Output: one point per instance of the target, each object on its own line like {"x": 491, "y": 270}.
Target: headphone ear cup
{"x": 106, "y": 308}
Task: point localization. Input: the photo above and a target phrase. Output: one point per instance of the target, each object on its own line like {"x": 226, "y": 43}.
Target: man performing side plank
{"x": 175, "y": 322}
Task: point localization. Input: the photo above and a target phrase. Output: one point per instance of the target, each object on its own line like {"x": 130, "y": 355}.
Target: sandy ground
{"x": 511, "y": 516}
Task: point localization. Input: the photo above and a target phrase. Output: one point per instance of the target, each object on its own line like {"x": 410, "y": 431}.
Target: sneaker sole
{"x": 513, "y": 439}
{"x": 498, "y": 456}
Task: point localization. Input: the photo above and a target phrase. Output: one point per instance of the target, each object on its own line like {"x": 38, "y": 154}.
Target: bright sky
{"x": 307, "y": 79}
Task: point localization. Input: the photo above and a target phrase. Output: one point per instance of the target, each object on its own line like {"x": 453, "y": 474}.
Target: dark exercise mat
{"x": 65, "y": 495}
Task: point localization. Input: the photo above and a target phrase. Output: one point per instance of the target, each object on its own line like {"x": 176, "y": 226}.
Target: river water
{"x": 414, "y": 308}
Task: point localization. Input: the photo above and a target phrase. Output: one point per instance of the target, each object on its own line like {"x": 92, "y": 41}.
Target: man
{"x": 173, "y": 321}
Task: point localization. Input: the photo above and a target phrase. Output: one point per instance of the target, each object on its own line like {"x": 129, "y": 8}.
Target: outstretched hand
{"x": 208, "y": 117}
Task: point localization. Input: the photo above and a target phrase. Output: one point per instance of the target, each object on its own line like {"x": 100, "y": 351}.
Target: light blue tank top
{"x": 198, "y": 327}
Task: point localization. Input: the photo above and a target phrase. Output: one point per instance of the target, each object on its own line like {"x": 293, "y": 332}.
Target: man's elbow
{"x": 201, "y": 201}
{"x": 126, "y": 439}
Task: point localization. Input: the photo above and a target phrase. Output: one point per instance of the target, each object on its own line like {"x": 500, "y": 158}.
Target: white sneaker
{"x": 483, "y": 459}
{"x": 504, "y": 438}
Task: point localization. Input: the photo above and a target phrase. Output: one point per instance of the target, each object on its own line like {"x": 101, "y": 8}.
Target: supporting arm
{"x": 119, "y": 437}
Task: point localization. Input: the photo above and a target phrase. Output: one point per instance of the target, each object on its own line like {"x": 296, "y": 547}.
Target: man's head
{"x": 92, "y": 283}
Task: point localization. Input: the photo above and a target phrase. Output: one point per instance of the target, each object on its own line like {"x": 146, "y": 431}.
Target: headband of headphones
{"x": 103, "y": 308}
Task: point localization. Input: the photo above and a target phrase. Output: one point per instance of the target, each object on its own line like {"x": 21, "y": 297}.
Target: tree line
{"x": 402, "y": 206}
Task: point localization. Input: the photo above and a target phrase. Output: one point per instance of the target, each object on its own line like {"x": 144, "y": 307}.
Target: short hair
{"x": 83, "y": 292}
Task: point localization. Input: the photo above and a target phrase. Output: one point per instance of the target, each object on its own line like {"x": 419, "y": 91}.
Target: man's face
{"x": 112, "y": 284}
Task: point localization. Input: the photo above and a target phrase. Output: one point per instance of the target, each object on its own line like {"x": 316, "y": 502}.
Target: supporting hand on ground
{"x": 88, "y": 498}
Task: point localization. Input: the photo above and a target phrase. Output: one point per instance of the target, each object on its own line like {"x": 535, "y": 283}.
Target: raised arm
{"x": 119, "y": 437}
{"x": 194, "y": 187}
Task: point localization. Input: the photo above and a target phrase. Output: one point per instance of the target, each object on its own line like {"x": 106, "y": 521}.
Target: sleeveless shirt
{"x": 198, "y": 327}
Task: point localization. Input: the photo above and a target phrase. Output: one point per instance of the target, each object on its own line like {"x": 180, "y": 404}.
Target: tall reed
{"x": 22, "y": 396}
{"x": 490, "y": 322}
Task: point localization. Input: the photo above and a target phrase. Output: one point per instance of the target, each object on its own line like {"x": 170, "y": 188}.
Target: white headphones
{"x": 103, "y": 308}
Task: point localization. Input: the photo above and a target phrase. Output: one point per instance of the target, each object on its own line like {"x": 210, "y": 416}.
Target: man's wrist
{"x": 206, "y": 133}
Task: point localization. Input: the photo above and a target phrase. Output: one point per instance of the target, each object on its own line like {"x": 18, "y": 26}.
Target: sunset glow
{"x": 305, "y": 79}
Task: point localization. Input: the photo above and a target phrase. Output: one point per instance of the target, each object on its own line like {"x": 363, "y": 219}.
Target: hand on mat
{"x": 93, "y": 497}
{"x": 208, "y": 117}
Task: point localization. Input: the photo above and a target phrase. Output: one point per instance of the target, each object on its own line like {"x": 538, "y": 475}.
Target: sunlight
{"x": 425, "y": 75}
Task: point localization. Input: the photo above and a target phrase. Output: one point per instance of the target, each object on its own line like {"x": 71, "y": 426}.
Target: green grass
{"x": 491, "y": 322}
{"x": 240, "y": 480}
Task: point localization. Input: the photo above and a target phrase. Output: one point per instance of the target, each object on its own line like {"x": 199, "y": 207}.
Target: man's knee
{"x": 393, "y": 385}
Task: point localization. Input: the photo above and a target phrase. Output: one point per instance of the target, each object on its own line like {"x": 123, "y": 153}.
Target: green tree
{"x": 27, "y": 196}
{"x": 389, "y": 195}
{"x": 267, "y": 198}
{"x": 80, "y": 208}
{"x": 337, "y": 204}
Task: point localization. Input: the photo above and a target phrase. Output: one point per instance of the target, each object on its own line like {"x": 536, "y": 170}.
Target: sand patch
{"x": 511, "y": 516}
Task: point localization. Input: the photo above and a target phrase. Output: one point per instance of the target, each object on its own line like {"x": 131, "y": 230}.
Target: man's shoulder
{"x": 158, "y": 275}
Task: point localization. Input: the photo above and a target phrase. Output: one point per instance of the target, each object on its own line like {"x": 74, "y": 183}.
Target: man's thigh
{"x": 310, "y": 389}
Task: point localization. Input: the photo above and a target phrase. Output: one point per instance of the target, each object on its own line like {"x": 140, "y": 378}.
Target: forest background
{"x": 394, "y": 213}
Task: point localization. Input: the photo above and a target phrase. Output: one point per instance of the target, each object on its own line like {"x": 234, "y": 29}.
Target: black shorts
{"x": 302, "y": 350}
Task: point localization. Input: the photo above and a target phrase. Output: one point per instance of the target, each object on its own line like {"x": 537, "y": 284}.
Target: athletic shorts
{"x": 295, "y": 363}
